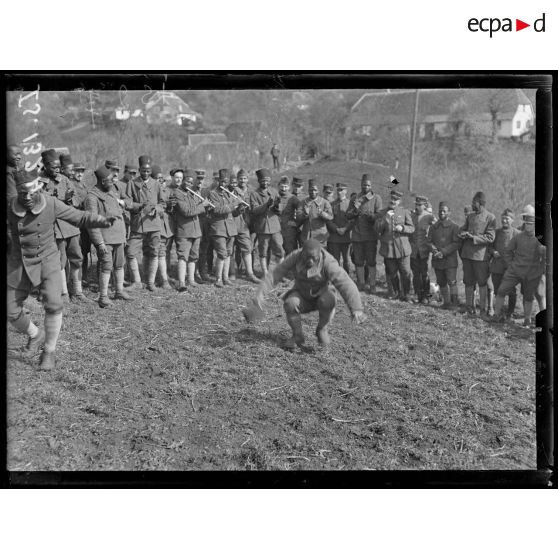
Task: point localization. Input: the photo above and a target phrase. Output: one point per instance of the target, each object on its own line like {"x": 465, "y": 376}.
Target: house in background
{"x": 167, "y": 107}
{"x": 499, "y": 113}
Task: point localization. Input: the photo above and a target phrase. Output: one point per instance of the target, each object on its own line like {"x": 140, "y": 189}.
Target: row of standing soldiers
{"x": 237, "y": 223}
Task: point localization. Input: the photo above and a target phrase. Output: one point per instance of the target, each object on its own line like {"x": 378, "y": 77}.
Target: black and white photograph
{"x": 226, "y": 273}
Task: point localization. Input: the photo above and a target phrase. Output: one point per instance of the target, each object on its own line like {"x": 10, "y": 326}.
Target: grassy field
{"x": 179, "y": 382}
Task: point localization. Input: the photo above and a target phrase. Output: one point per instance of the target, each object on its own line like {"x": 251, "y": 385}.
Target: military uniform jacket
{"x": 482, "y": 226}
{"x": 525, "y": 256}
{"x": 314, "y": 224}
{"x": 311, "y": 283}
{"x": 242, "y": 216}
{"x": 280, "y": 208}
{"x": 289, "y": 213}
{"x": 81, "y": 191}
{"x": 11, "y": 189}
{"x": 263, "y": 219}
{"x": 33, "y": 246}
{"x": 365, "y": 218}
{"x": 222, "y": 221}
{"x": 120, "y": 190}
{"x": 186, "y": 214}
{"x": 140, "y": 192}
{"x": 102, "y": 203}
{"x": 340, "y": 220}
{"x": 443, "y": 237}
{"x": 419, "y": 244}
{"x": 167, "y": 228}
{"x": 62, "y": 188}
{"x": 501, "y": 241}
{"x": 394, "y": 244}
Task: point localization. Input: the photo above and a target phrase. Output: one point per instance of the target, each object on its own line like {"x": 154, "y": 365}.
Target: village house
{"x": 442, "y": 113}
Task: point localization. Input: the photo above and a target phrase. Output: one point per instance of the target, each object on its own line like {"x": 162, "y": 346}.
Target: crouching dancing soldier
{"x": 315, "y": 271}
{"x": 34, "y": 260}
{"x": 102, "y": 200}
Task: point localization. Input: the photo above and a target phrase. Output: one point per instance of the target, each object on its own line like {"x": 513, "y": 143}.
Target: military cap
{"x": 144, "y": 161}
{"x": 311, "y": 182}
{"x": 110, "y": 164}
{"x": 421, "y": 200}
{"x": 366, "y": 177}
{"x": 263, "y": 173}
{"x": 23, "y": 176}
{"x": 241, "y": 172}
{"x": 224, "y": 174}
{"x": 528, "y": 214}
{"x": 79, "y": 167}
{"x": 284, "y": 180}
{"x": 298, "y": 182}
{"x": 396, "y": 194}
{"x": 200, "y": 173}
{"x": 155, "y": 170}
{"x": 130, "y": 167}
{"x": 328, "y": 188}
{"x": 443, "y": 204}
{"x": 341, "y": 186}
{"x": 189, "y": 173}
{"x": 65, "y": 159}
{"x": 49, "y": 156}
{"x": 480, "y": 197}
{"x": 103, "y": 172}
{"x": 174, "y": 171}
{"x": 508, "y": 213}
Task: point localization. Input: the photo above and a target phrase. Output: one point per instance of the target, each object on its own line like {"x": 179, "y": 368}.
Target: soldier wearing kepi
{"x": 130, "y": 172}
{"x": 498, "y": 264}
{"x": 146, "y": 208}
{"x": 364, "y": 210}
{"x": 420, "y": 253}
{"x": 315, "y": 271}
{"x": 67, "y": 235}
{"x": 81, "y": 192}
{"x": 243, "y": 241}
{"x": 339, "y": 240}
{"x": 222, "y": 227}
{"x": 313, "y": 215}
{"x": 109, "y": 242}
{"x": 186, "y": 209}
{"x": 34, "y": 260}
{"x": 477, "y": 234}
{"x": 394, "y": 225}
{"x": 443, "y": 241}
{"x": 167, "y": 233}
{"x": 206, "y": 243}
{"x": 289, "y": 226}
{"x": 266, "y": 221}
{"x": 526, "y": 259}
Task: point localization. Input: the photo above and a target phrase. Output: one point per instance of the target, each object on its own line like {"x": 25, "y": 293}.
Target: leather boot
{"x": 219, "y": 264}
{"x": 295, "y": 321}
{"x": 372, "y": 279}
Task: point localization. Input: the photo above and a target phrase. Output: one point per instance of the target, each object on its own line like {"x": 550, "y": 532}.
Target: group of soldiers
{"x": 225, "y": 226}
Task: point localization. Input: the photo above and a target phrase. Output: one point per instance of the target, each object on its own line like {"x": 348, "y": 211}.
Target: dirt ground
{"x": 177, "y": 381}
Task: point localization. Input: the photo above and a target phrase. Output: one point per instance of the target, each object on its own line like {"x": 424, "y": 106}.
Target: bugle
{"x": 238, "y": 198}
{"x": 200, "y": 196}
